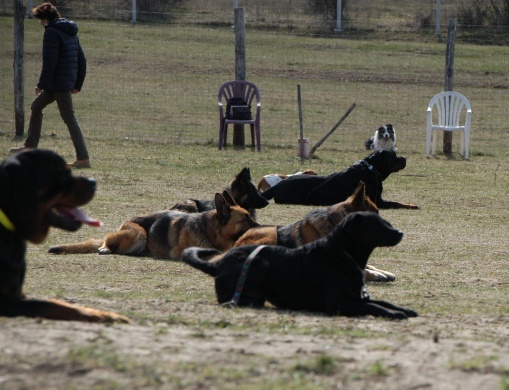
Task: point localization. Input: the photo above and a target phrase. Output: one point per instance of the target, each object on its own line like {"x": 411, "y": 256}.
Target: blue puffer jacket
{"x": 63, "y": 62}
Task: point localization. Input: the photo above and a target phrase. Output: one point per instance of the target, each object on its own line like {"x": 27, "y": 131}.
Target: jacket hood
{"x": 65, "y": 25}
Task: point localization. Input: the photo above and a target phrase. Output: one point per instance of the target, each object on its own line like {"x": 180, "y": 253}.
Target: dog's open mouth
{"x": 70, "y": 219}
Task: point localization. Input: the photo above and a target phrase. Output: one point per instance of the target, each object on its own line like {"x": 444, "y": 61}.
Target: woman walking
{"x": 62, "y": 75}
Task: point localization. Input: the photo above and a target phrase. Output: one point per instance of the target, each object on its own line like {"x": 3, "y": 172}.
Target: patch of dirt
{"x": 428, "y": 352}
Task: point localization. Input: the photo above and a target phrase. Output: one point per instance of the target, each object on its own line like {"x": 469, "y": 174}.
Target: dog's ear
{"x": 222, "y": 208}
{"x": 360, "y": 191}
{"x": 359, "y": 194}
{"x": 229, "y": 199}
{"x": 245, "y": 174}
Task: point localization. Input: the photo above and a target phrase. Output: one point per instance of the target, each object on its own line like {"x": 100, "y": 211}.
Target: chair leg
{"x": 462, "y": 143}
{"x": 434, "y": 142}
{"x": 258, "y": 138}
{"x": 252, "y": 135}
{"x": 221, "y": 135}
{"x": 467, "y": 145}
{"x": 428, "y": 142}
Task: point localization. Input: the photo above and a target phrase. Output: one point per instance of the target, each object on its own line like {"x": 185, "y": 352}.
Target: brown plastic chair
{"x": 249, "y": 92}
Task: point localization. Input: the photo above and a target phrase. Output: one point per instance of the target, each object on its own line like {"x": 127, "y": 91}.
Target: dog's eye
{"x": 62, "y": 184}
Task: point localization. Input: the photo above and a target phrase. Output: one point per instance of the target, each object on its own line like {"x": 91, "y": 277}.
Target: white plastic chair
{"x": 452, "y": 112}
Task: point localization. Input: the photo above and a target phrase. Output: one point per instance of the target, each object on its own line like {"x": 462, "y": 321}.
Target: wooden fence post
{"x": 301, "y": 125}
{"x": 19, "y": 76}
{"x": 240, "y": 68}
{"x": 449, "y": 76}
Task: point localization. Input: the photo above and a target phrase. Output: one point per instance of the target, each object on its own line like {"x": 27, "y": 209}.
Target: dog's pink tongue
{"x": 82, "y": 217}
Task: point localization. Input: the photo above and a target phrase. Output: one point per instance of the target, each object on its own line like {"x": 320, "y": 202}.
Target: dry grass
{"x": 451, "y": 268}
{"x": 451, "y": 265}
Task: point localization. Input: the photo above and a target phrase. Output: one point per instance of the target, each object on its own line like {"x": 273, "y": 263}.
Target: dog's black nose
{"x": 91, "y": 182}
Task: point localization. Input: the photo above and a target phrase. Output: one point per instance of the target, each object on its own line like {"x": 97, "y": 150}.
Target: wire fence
{"x": 157, "y": 81}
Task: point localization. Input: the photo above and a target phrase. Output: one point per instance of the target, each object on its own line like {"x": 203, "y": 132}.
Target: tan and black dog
{"x": 317, "y": 224}
{"x": 166, "y": 234}
{"x": 271, "y": 180}
{"x": 242, "y": 190}
{"x": 324, "y": 276}
{"x": 38, "y": 191}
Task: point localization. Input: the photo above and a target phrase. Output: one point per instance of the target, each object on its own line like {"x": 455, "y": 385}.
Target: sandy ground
{"x": 428, "y": 352}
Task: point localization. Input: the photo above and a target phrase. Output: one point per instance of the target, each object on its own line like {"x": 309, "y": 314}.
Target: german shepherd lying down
{"x": 323, "y": 276}
{"x": 334, "y": 188}
{"x": 38, "y": 191}
{"x": 242, "y": 190}
{"x": 166, "y": 234}
{"x": 316, "y": 224}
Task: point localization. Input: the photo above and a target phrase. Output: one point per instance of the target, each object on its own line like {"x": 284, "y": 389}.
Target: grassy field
{"x": 159, "y": 82}
{"x": 451, "y": 266}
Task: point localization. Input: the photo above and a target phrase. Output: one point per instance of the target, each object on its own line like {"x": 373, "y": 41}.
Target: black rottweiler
{"x": 242, "y": 190}
{"x": 335, "y": 188}
{"x": 324, "y": 276}
{"x": 38, "y": 191}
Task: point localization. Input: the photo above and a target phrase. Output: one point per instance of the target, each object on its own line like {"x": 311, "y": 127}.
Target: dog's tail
{"x": 91, "y": 245}
{"x": 270, "y": 193}
{"x": 194, "y": 256}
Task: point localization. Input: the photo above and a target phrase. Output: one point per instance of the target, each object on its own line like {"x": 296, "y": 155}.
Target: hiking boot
{"x": 18, "y": 149}
{"x": 80, "y": 164}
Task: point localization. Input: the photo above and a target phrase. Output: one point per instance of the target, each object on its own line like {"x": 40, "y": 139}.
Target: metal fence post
{"x": 437, "y": 21}
{"x": 449, "y": 76}
{"x": 133, "y": 12}
{"x": 338, "y": 16}
{"x": 30, "y": 6}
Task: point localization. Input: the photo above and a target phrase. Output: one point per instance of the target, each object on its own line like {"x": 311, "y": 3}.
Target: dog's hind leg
{"x": 88, "y": 246}
{"x": 130, "y": 239}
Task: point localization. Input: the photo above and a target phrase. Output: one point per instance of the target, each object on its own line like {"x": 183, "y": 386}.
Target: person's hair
{"x": 46, "y": 11}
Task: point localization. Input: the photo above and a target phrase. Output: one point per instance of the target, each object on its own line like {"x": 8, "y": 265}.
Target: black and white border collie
{"x": 384, "y": 138}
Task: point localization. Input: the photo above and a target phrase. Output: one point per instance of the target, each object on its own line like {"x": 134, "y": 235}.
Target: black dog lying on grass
{"x": 324, "y": 276}
{"x": 335, "y": 188}
{"x": 37, "y": 192}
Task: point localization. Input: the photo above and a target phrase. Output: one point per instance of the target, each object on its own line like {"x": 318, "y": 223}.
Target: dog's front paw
{"x": 109, "y": 317}
{"x": 377, "y": 275}
{"x": 410, "y": 313}
{"x": 396, "y": 315}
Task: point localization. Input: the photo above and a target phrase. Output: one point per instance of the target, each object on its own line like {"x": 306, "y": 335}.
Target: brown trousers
{"x": 64, "y": 102}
